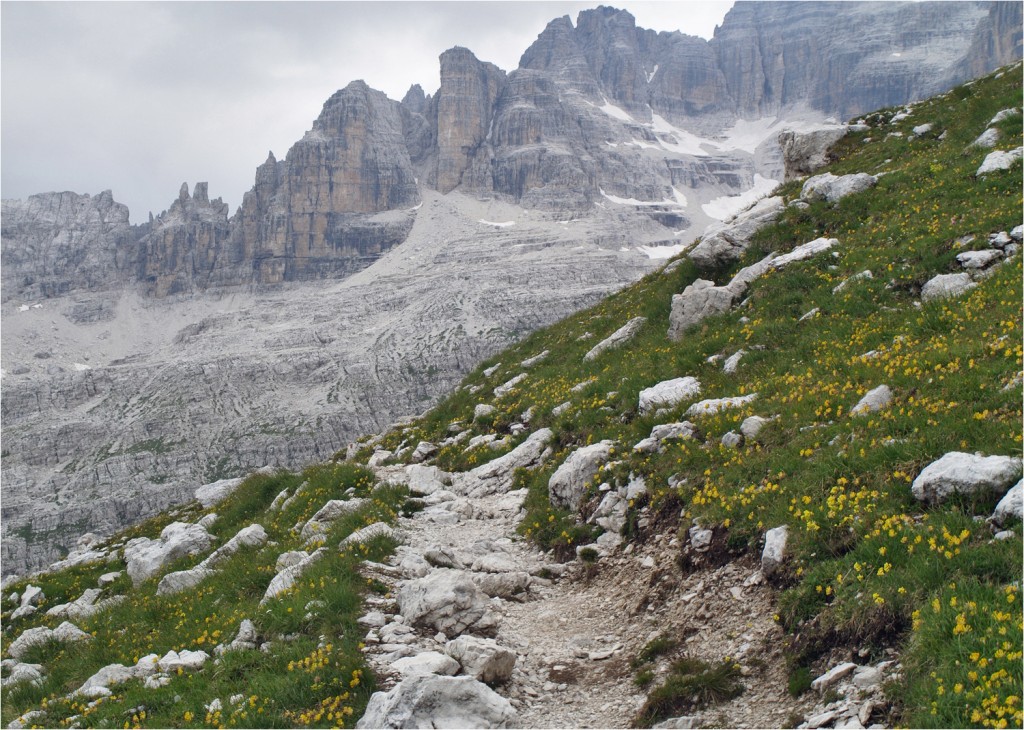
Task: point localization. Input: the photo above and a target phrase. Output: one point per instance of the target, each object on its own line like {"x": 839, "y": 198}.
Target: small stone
{"x": 832, "y": 676}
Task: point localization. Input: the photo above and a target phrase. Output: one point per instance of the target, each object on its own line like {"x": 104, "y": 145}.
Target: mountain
{"x": 398, "y": 243}
{"x": 784, "y": 491}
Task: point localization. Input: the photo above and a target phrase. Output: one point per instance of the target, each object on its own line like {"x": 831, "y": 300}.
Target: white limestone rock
{"x": 774, "y": 553}
{"x": 803, "y": 252}
{"x": 365, "y": 534}
{"x": 147, "y": 557}
{"x": 752, "y": 426}
{"x": 712, "y": 406}
{"x": 979, "y": 259}
{"x": 725, "y": 242}
{"x": 733, "y": 362}
{"x": 873, "y": 401}
{"x": 446, "y": 600}
{"x": 429, "y": 662}
{"x": 509, "y": 385}
{"x": 833, "y": 188}
{"x": 496, "y": 476}
{"x": 109, "y": 675}
{"x": 483, "y": 410}
{"x": 216, "y": 492}
{"x": 423, "y": 479}
{"x": 333, "y": 510}
{"x": 482, "y": 659}
{"x": 25, "y": 673}
{"x": 960, "y": 473}
{"x": 286, "y": 578}
{"x": 999, "y": 160}
{"x": 665, "y": 431}
{"x": 66, "y": 632}
{"x": 732, "y": 440}
{"x": 697, "y": 302}
{"x": 183, "y": 580}
{"x": 668, "y": 393}
{"x": 619, "y": 337}
{"x": 568, "y": 485}
{"x": 832, "y": 676}
{"x": 531, "y": 361}
{"x": 185, "y": 660}
{"x": 423, "y": 451}
{"x": 1010, "y": 507}
{"x": 432, "y": 701}
{"x": 944, "y": 286}
{"x": 290, "y": 558}
{"x": 31, "y": 596}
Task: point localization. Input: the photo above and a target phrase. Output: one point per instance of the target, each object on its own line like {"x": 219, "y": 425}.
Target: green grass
{"x": 314, "y": 673}
{"x": 692, "y": 684}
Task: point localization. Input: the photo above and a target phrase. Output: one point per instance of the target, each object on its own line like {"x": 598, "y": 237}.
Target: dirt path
{"x": 576, "y": 634}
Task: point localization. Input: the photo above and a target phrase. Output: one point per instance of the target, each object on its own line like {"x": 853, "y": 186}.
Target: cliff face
{"x": 59, "y": 242}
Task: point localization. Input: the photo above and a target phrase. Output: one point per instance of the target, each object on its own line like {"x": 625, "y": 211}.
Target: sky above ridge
{"x": 138, "y": 97}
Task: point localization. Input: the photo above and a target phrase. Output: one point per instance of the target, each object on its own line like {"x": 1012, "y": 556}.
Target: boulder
{"x": 531, "y": 361}
{"x": 24, "y": 673}
{"x": 290, "y": 558}
{"x": 568, "y": 484}
{"x": 423, "y": 451}
{"x": 723, "y": 243}
{"x": 832, "y": 676}
{"x": 145, "y": 557}
{"x": 732, "y": 440}
{"x": 668, "y": 393}
{"x": 774, "y": 552}
{"x": 622, "y": 335}
{"x": 422, "y": 479}
{"x": 483, "y": 410}
{"x": 432, "y": 701}
{"x": 999, "y": 160}
{"x": 873, "y": 401}
{"x": 482, "y": 659}
{"x": 979, "y": 259}
{"x": 183, "y": 580}
{"x": 497, "y": 475}
{"x": 832, "y": 188}
{"x": 807, "y": 152}
{"x": 509, "y": 385}
{"x": 107, "y": 676}
{"x": 66, "y": 632}
{"x": 752, "y": 426}
{"x": 663, "y": 432}
{"x": 185, "y": 660}
{"x": 31, "y": 596}
{"x": 286, "y": 578}
{"x": 698, "y": 301}
{"x": 447, "y": 601}
{"x": 429, "y": 662}
{"x": 802, "y": 252}
{"x": 714, "y": 405}
{"x": 946, "y": 285}
{"x": 365, "y": 534}
{"x": 960, "y": 473}
{"x": 320, "y": 523}
{"x": 502, "y": 585}
{"x": 216, "y": 492}
{"x": 1010, "y": 507}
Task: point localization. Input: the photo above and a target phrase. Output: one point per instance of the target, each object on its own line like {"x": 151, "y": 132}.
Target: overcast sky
{"x": 138, "y": 97}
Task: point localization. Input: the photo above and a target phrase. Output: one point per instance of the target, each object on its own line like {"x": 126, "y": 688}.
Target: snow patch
{"x": 662, "y": 252}
{"x": 504, "y": 224}
{"x": 615, "y": 112}
{"x": 729, "y": 205}
{"x": 23, "y": 308}
{"x": 677, "y": 200}
{"x": 651, "y": 74}
{"x": 81, "y": 366}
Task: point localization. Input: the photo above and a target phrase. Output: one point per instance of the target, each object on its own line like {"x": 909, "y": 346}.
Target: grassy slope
{"x": 869, "y": 565}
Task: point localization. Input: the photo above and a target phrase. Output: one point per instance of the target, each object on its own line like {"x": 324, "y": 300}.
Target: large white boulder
{"x": 147, "y": 557}
{"x": 712, "y": 406}
{"x": 497, "y": 475}
{"x": 105, "y": 677}
{"x": 804, "y": 152}
{"x": 482, "y": 659}
{"x": 66, "y": 632}
{"x": 286, "y": 578}
{"x": 185, "y": 660}
{"x": 429, "y": 662}
{"x": 831, "y": 187}
{"x": 568, "y": 484}
{"x": 999, "y": 160}
{"x": 1011, "y": 506}
{"x": 960, "y": 473}
{"x": 946, "y": 285}
{"x": 447, "y": 601}
{"x": 725, "y": 242}
{"x": 668, "y": 393}
{"x": 432, "y": 701}
{"x": 216, "y": 492}
{"x": 697, "y": 302}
